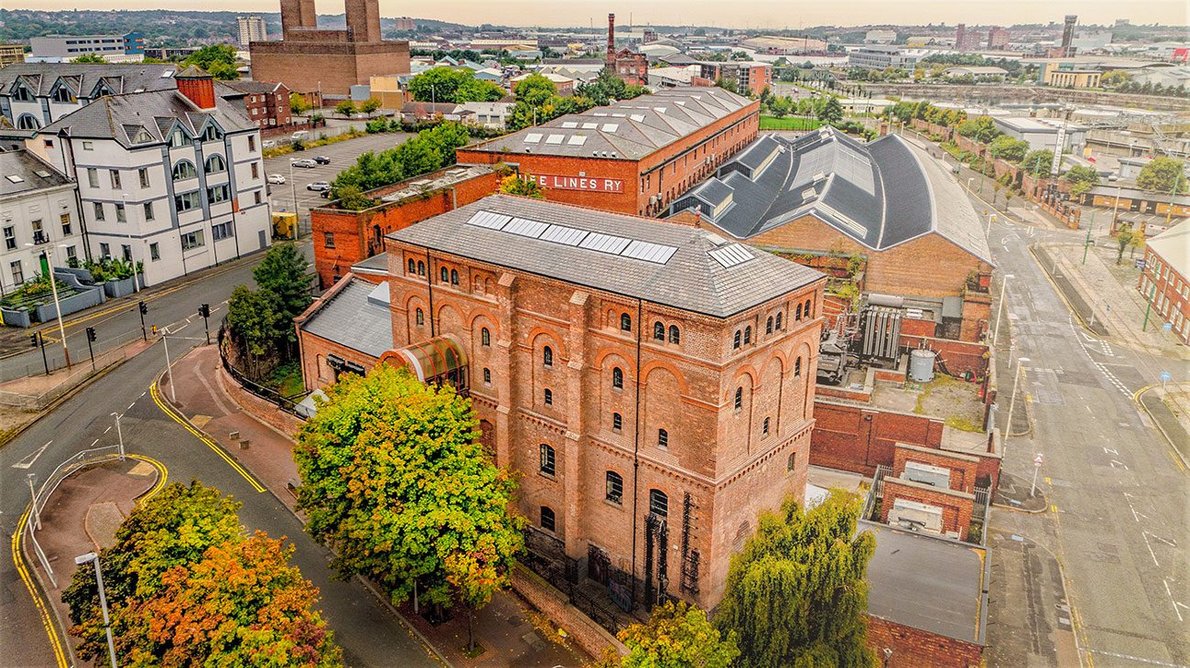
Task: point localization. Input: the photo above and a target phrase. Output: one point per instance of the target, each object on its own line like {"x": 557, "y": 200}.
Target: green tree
{"x": 677, "y": 635}
{"x": 224, "y": 71}
{"x": 1082, "y": 179}
{"x": 350, "y": 197}
{"x": 254, "y": 324}
{"x": 1113, "y": 78}
{"x": 796, "y": 594}
{"x": 831, "y": 111}
{"x": 1037, "y": 162}
{"x": 525, "y": 187}
{"x": 981, "y": 129}
{"x": 1007, "y": 148}
{"x": 211, "y": 56}
{"x": 1163, "y": 175}
{"x": 284, "y": 276}
{"x": 345, "y": 108}
{"x": 1125, "y": 237}
{"x": 90, "y": 58}
{"x": 430, "y": 150}
{"x": 171, "y": 528}
{"x": 394, "y": 481}
{"x": 297, "y": 103}
{"x": 534, "y": 90}
{"x": 369, "y": 105}
{"x": 448, "y": 84}
{"x": 780, "y": 106}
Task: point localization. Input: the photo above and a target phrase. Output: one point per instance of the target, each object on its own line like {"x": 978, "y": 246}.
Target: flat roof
{"x": 928, "y": 583}
{"x": 356, "y": 316}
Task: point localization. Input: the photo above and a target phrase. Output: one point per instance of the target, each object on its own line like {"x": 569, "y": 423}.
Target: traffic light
{"x": 144, "y": 308}
{"x": 204, "y": 310}
{"x": 33, "y": 340}
{"x": 91, "y": 336}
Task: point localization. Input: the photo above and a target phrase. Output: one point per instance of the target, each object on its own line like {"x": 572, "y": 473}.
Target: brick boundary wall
{"x": 590, "y": 636}
{"x": 957, "y": 507}
{"x": 913, "y": 648}
{"x": 258, "y": 408}
{"x": 964, "y": 468}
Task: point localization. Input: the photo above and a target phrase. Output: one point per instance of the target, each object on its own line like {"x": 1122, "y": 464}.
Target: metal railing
{"x": 872, "y": 503}
{"x": 287, "y": 404}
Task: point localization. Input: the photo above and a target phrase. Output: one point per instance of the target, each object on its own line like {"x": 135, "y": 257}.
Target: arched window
{"x": 779, "y": 320}
{"x": 617, "y": 378}
{"x": 765, "y": 429}
{"x": 797, "y": 366}
{"x": 615, "y": 488}
{"x": 675, "y": 336}
{"x": 625, "y": 322}
{"x": 487, "y": 376}
{"x": 658, "y": 331}
{"x": 27, "y": 122}
{"x": 548, "y": 397}
{"x": 739, "y": 398}
{"x": 799, "y": 312}
{"x": 768, "y": 325}
{"x": 485, "y": 337}
{"x": 454, "y": 276}
{"x": 420, "y": 316}
{"x": 216, "y": 163}
{"x": 547, "y": 459}
{"x": 421, "y": 268}
{"x": 184, "y": 169}
{"x": 807, "y": 311}
{"x": 617, "y": 422}
{"x": 791, "y": 461}
{"x": 748, "y": 334}
{"x": 662, "y": 438}
{"x": 547, "y": 518}
{"x": 547, "y": 356}
{"x": 735, "y": 342}
{"x": 412, "y": 267}
{"x": 658, "y": 503}
{"x": 445, "y": 274}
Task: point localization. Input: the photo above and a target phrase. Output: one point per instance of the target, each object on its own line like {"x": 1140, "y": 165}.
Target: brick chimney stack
{"x": 197, "y": 86}
{"x": 611, "y": 41}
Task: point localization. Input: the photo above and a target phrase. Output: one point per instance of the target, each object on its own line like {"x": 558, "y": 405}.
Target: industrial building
{"x": 65, "y": 48}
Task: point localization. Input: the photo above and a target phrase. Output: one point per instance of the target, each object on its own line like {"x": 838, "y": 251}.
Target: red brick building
{"x": 650, "y": 384}
{"x": 1165, "y": 281}
{"x": 343, "y": 237}
{"x": 265, "y": 103}
{"x": 634, "y": 156}
{"x": 749, "y": 77}
{"x": 329, "y": 61}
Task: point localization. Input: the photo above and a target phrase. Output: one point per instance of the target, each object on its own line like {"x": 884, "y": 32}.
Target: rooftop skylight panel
{"x": 14, "y": 178}
{"x": 554, "y": 139}
{"x": 605, "y": 243}
{"x": 637, "y": 117}
{"x": 590, "y": 126}
{"x": 650, "y": 252}
{"x": 533, "y": 137}
{"x": 492, "y": 221}
{"x": 577, "y": 140}
{"x": 731, "y": 255}
{"x": 42, "y": 173}
{"x": 611, "y": 127}
{"x": 560, "y": 234}
{"x": 569, "y": 124}
{"x": 525, "y": 227}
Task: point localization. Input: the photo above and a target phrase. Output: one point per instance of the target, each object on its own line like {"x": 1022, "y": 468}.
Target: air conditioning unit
{"x": 915, "y": 516}
{"x": 927, "y": 474}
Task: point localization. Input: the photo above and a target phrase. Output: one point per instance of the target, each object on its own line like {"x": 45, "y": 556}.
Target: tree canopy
{"x": 261, "y": 321}
{"x": 1005, "y": 147}
{"x": 449, "y": 84}
{"x": 394, "y": 481}
{"x": 430, "y": 150}
{"x": 831, "y": 111}
{"x": 981, "y": 129}
{"x": 797, "y": 595}
{"x": 607, "y": 87}
{"x": 677, "y": 635}
{"x": 1163, "y": 175}
{"x": 219, "y": 60}
{"x": 513, "y": 184}
{"x": 1081, "y": 178}
{"x": 1037, "y": 162}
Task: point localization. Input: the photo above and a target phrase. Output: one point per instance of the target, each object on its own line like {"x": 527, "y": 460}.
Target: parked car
{"x": 300, "y": 135}
{"x": 275, "y": 179}
{"x": 305, "y": 163}
{"x": 326, "y": 194}
{"x": 318, "y": 186}
{"x": 322, "y": 160}
{"x": 269, "y": 143}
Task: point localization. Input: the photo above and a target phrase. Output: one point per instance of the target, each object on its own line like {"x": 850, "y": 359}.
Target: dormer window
{"x": 177, "y": 139}
{"x": 211, "y": 133}
{"x": 62, "y": 94}
{"x": 22, "y": 94}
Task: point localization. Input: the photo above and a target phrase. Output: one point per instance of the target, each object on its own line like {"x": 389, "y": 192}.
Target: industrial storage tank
{"x": 921, "y": 365}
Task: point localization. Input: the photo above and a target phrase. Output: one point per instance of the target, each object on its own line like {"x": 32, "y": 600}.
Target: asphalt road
{"x": 369, "y": 635}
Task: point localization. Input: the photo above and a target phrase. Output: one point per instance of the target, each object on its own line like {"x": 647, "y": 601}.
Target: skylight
{"x": 569, "y": 124}
{"x": 14, "y": 178}
{"x": 42, "y": 173}
{"x": 532, "y": 137}
{"x": 611, "y": 127}
{"x": 554, "y": 139}
{"x": 577, "y": 140}
{"x": 731, "y": 255}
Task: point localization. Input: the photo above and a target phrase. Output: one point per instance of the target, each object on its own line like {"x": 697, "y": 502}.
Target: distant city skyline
{"x": 756, "y": 14}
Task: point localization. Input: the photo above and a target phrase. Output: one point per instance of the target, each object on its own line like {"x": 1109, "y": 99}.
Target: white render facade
{"x": 37, "y": 212}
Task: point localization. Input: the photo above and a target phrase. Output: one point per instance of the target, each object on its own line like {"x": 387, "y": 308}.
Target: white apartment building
{"x": 251, "y": 29}
{"x": 33, "y": 95}
{"x": 38, "y": 211}
{"x": 173, "y": 179}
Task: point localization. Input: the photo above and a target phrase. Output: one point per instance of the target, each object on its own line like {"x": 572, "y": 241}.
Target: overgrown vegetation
{"x": 261, "y": 321}
{"x": 430, "y": 150}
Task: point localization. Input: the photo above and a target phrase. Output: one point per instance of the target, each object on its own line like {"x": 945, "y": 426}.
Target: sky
{"x": 746, "y": 14}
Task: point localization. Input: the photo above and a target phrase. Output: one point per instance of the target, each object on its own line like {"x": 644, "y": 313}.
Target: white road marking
{"x": 28, "y": 461}
{"x": 109, "y": 428}
{"x": 1117, "y": 464}
{"x": 1176, "y": 605}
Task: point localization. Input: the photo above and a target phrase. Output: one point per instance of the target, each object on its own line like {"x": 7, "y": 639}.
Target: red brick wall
{"x": 963, "y": 471}
{"x": 621, "y": 170}
{"x": 957, "y": 507}
{"x": 331, "y": 66}
{"x": 1163, "y": 288}
{"x": 854, "y": 438}
{"x": 959, "y": 357}
{"x": 915, "y": 648}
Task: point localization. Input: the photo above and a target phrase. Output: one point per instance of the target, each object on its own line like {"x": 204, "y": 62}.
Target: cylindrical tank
{"x": 921, "y": 365}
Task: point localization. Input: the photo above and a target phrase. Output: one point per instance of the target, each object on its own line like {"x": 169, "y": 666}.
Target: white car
{"x": 305, "y": 163}
{"x": 275, "y": 179}
{"x": 318, "y": 186}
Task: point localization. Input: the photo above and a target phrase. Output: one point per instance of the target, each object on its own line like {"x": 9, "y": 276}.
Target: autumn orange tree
{"x": 264, "y": 603}
{"x": 394, "y": 480}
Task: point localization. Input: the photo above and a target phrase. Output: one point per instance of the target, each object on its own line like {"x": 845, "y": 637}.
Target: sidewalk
{"x": 1111, "y": 304}
{"x": 1170, "y": 409}
{"x": 510, "y": 632}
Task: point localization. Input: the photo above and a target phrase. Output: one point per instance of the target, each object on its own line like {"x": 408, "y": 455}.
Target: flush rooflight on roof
{"x": 731, "y": 255}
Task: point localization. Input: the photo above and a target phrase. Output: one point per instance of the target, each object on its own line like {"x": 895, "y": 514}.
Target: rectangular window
{"x": 49, "y": 143}
{"x": 256, "y": 196}
{"x": 148, "y": 211}
{"x": 221, "y": 231}
{"x": 18, "y": 274}
{"x": 126, "y": 251}
{"x": 143, "y": 174}
{"x": 115, "y": 178}
{"x": 71, "y": 252}
{"x": 88, "y": 146}
{"x": 219, "y": 193}
{"x": 328, "y": 239}
{"x": 187, "y": 201}
{"x": 92, "y": 177}
{"x": 121, "y": 217}
{"x": 192, "y": 240}
{"x": 65, "y": 220}
{"x": 39, "y": 236}
{"x": 99, "y": 211}
{"x": 256, "y": 170}
{"x": 154, "y": 252}
{"x": 105, "y": 250}
{"x": 10, "y": 238}
{"x": 251, "y": 143}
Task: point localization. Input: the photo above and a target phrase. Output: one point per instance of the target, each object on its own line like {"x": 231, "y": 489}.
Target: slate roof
{"x": 691, "y": 278}
{"x": 927, "y": 583}
{"x": 31, "y": 174}
{"x": 355, "y": 316}
{"x": 83, "y": 77}
{"x": 881, "y": 194}
{"x": 123, "y": 117}
{"x": 627, "y": 129}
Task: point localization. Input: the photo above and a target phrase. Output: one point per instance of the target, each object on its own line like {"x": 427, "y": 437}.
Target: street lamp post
{"x": 1116, "y": 205}
{"x": 988, "y": 230}
{"x": 173, "y": 394}
{"x": 91, "y": 557}
{"x": 119, "y": 435}
{"x": 1000, "y": 308}
{"x": 1016, "y": 380}
{"x": 49, "y": 252}
{"x": 969, "y": 180}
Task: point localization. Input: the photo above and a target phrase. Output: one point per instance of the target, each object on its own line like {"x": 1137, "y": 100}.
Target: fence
{"x": 979, "y": 516}
{"x": 39, "y": 395}
{"x": 287, "y": 404}
{"x": 872, "y": 503}
{"x": 31, "y": 363}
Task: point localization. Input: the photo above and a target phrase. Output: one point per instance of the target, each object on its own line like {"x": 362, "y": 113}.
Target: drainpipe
{"x": 636, "y": 445}
{"x": 430, "y": 290}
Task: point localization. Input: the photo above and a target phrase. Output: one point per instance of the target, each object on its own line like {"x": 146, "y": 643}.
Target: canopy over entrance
{"x": 440, "y": 359}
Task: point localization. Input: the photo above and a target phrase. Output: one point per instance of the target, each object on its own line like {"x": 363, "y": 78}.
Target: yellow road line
{"x": 203, "y": 437}
{"x": 43, "y": 612}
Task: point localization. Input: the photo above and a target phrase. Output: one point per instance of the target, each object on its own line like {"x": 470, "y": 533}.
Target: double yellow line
{"x": 57, "y": 643}
{"x": 177, "y": 417}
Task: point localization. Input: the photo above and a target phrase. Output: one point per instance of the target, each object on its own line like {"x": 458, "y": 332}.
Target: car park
{"x": 275, "y": 179}
{"x": 318, "y": 186}
{"x": 322, "y": 160}
{"x": 305, "y": 163}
